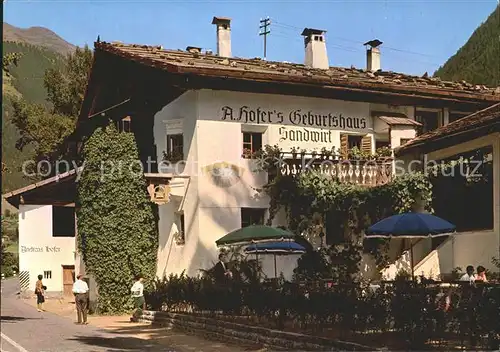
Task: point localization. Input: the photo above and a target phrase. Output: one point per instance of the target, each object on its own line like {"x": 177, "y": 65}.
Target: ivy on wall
{"x": 117, "y": 232}
{"x": 353, "y": 207}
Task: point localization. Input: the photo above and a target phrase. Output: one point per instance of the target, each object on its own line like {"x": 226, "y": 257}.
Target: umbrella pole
{"x": 411, "y": 261}
{"x": 275, "y": 269}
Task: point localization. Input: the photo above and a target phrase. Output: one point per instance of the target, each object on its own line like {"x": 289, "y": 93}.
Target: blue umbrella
{"x": 276, "y": 248}
{"x": 411, "y": 225}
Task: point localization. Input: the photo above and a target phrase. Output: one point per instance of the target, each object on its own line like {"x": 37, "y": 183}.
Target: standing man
{"x": 221, "y": 271}
{"x": 81, "y": 292}
{"x": 137, "y": 291}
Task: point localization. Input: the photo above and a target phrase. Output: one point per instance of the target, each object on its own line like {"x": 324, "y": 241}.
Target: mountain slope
{"x": 37, "y": 36}
{"x": 24, "y": 81}
{"x": 478, "y": 61}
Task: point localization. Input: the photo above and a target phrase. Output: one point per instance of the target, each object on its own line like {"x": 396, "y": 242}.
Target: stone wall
{"x": 213, "y": 328}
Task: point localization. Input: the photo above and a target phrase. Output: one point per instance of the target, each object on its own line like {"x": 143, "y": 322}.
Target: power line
{"x": 264, "y": 23}
{"x": 290, "y": 27}
{"x": 335, "y": 46}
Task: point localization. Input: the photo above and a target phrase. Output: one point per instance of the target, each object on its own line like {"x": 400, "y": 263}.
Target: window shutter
{"x": 344, "y": 145}
{"x": 366, "y": 144}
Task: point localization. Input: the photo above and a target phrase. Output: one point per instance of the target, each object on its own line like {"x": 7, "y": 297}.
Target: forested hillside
{"x": 24, "y": 81}
{"x": 478, "y": 61}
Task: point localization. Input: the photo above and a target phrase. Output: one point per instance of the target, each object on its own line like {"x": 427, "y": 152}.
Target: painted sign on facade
{"x": 269, "y": 109}
{"x": 40, "y": 249}
{"x": 296, "y": 117}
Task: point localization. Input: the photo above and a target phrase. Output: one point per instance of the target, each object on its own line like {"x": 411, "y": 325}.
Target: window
{"x": 334, "y": 228}
{"x": 382, "y": 144}
{"x": 124, "y": 125}
{"x": 181, "y": 228}
{"x": 175, "y": 146}
{"x": 350, "y": 141}
{"x": 455, "y": 115}
{"x": 404, "y": 140}
{"x": 468, "y": 180}
{"x": 252, "y": 216}
{"x": 252, "y": 142}
{"x": 428, "y": 119}
{"x": 354, "y": 141}
{"x": 47, "y": 274}
{"x": 63, "y": 221}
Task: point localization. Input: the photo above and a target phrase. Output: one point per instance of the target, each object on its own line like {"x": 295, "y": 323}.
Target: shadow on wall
{"x": 200, "y": 252}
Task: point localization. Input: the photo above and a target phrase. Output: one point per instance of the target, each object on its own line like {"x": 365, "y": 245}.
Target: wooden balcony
{"x": 363, "y": 172}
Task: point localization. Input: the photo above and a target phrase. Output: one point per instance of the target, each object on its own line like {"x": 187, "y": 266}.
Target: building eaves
{"x": 261, "y": 70}
{"x": 480, "y": 119}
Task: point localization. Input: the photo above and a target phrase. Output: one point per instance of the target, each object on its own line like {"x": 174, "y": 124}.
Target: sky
{"x": 417, "y": 36}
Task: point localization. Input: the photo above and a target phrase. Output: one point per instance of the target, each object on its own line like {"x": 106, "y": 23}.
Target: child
{"x": 40, "y": 294}
{"x": 481, "y": 274}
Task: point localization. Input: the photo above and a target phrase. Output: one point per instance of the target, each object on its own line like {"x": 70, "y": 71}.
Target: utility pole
{"x": 264, "y": 23}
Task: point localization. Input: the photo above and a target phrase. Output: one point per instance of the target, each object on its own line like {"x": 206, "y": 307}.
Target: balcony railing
{"x": 364, "y": 172}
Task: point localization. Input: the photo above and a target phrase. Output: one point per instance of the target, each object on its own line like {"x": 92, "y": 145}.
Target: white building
{"x": 208, "y": 109}
{"x": 46, "y": 235}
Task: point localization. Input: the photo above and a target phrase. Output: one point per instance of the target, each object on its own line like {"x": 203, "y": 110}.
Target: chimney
{"x": 315, "y": 46}
{"x": 223, "y": 35}
{"x": 373, "y": 55}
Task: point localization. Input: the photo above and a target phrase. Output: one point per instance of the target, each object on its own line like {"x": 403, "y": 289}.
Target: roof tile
{"x": 156, "y": 56}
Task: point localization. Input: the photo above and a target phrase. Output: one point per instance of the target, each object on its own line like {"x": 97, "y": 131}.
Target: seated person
{"x": 469, "y": 275}
{"x": 481, "y": 274}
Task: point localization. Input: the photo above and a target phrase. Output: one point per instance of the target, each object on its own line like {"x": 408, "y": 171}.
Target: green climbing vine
{"x": 310, "y": 195}
{"x": 117, "y": 233}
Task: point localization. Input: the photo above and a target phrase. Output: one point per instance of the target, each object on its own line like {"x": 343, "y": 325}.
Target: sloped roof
{"x": 483, "y": 118}
{"x": 260, "y": 70}
{"x": 402, "y": 121}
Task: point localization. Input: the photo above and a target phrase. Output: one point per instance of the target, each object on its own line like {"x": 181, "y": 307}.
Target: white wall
{"x": 309, "y": 123}
{"x": 39, "y": 251}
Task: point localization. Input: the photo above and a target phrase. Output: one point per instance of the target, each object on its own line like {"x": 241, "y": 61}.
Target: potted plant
{"x": 383, "y": 153}
{"x": 303, "y": 153}
{"x": 325, "y": 153}
{"x": 294, "y": 153}
{"x": 313, "y": 154}
{"x": 247, "y": 154}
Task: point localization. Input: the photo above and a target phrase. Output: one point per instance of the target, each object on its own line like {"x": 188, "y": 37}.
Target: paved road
{"x": 23, "y": 329}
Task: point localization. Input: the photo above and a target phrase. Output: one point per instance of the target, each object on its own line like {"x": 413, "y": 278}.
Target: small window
{"x": 124, "y": 125}
{"x": 175, "y": 146}
{"x": 252, "y": 216}
{"x": 403, "y": 141}
{"x": 63, "y": 221}
{"x": 47, "y": 274}
{"x": 181, "y": 228}
{"x": 252, "y": 142}
{"x": 334, "y": 229}
{"x": 382, "y": 144}
{"x": 430, "y": 120}
{"x": 354, "y": 141}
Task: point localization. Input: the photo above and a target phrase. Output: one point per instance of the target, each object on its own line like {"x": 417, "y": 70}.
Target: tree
{"x": 116, "y": 224}
{"x": 10, "y": 59}
{"x": 46, "y": 127}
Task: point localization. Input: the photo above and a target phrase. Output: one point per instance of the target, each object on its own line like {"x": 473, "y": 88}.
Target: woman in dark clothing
{"x": 40, "y": 294}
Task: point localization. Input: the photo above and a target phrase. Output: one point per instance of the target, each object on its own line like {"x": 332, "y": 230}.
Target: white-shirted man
{"x": 137, "y": 291}
{"x": 81, "y": 292}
